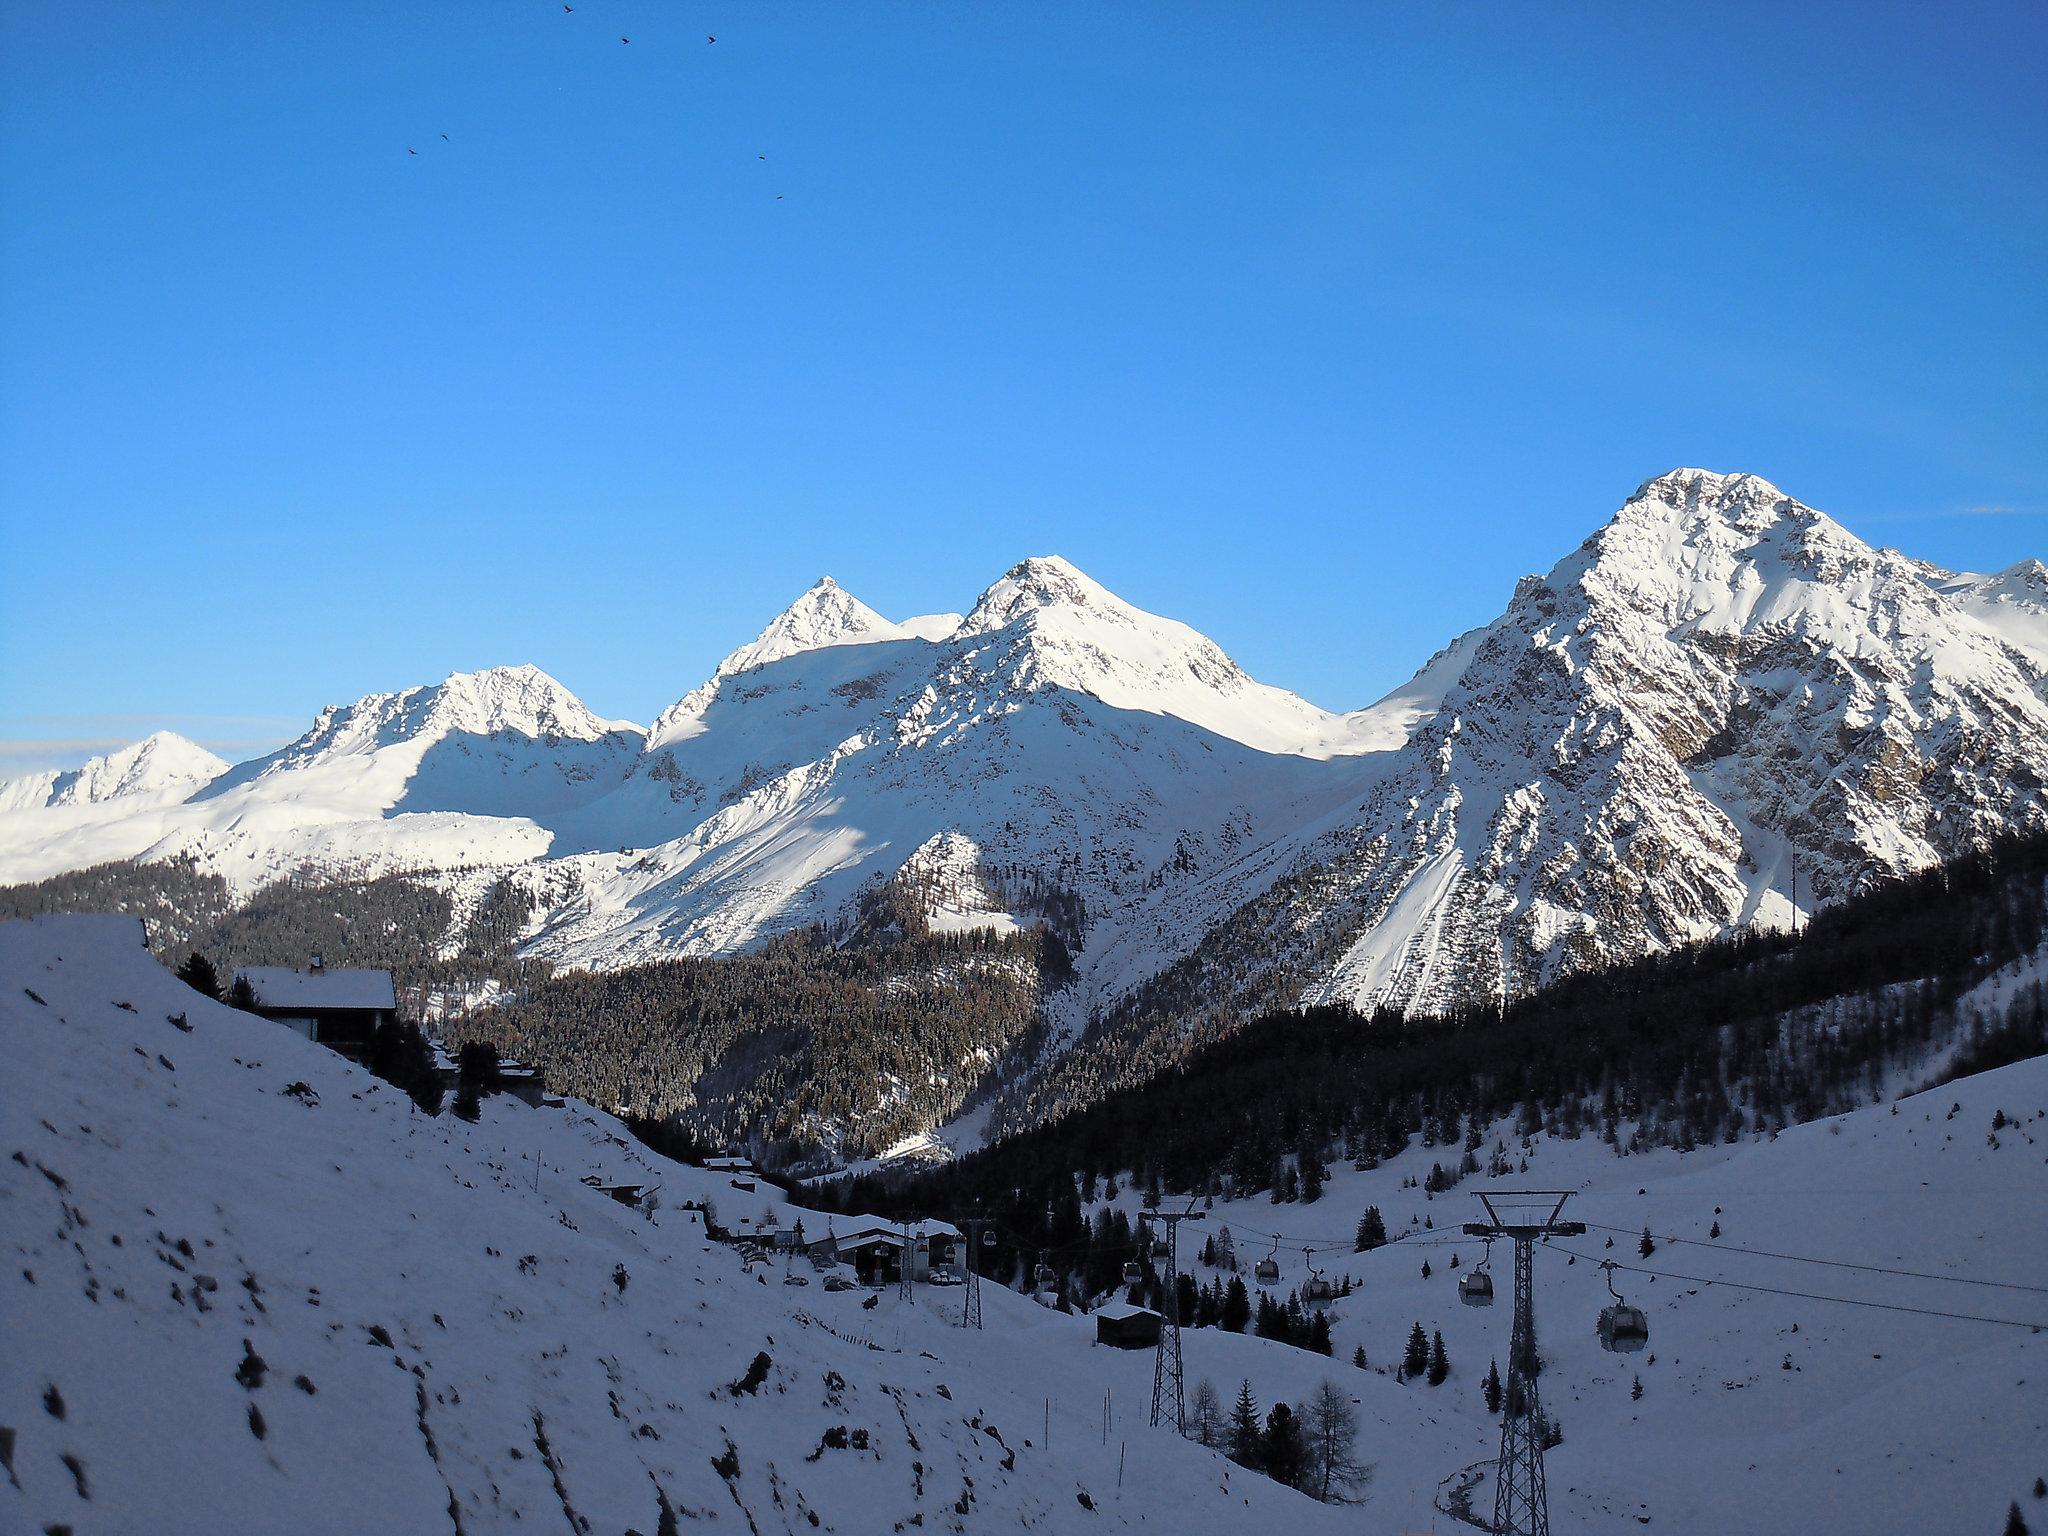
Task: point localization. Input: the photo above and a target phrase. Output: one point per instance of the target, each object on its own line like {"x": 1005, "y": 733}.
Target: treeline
{"x": 399, "y": 923}
{"x": 175, "y": 899}
{"x": 1744, "y": 1034}
{"x": 802, "y": 1048}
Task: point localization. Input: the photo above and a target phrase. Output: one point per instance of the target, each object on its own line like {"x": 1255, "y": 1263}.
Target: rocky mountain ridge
{"x": 1721, "y": 709}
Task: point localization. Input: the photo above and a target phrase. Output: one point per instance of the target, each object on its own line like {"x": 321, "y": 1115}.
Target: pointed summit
{"x": 161, "y": 764}
{"x": 826, "y": 614}
{"x": 520, "y": 698}
{"x": 1045, "y": 622}
{"x": 1043, "y": 581}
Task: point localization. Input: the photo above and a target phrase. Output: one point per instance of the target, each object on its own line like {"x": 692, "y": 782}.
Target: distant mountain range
{"x": 1720, "y": 709}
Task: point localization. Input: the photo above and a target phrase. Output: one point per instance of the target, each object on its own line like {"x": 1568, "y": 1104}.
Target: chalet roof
{"x": 853, "y": 1229}
{"x": 1123, "y": 1311}
{"x": 279, "y": 986}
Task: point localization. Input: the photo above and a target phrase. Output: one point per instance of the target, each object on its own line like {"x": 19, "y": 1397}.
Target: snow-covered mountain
{"x": 456, "y": 775}
{"x": 1720, "y": 709}
{"x": 161, "y": 767}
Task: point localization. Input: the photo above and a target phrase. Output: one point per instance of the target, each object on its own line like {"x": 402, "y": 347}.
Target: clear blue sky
{"x": 1314, "y": 326}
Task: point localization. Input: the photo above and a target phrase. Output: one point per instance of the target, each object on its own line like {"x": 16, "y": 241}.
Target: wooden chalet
{"x": 1123, "y": 1326}
{"x": 341, "y": 1009}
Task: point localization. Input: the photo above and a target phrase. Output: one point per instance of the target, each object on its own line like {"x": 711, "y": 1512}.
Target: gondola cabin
{"x": 1623, "y": 1328}
{"x": 1266, "y": 1271}
{"x": 1476, "y": 1289}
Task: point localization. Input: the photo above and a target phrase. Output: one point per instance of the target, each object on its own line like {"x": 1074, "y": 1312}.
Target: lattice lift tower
{"x": 1166, "y": 1363}
{"x": 970, "y": 1313}
{"x": 1521, "y": 1503}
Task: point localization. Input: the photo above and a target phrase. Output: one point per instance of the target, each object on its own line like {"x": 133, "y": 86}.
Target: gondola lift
{"x": 1267, "y": 1270}
{"x": 1623, "y": 1328}
{"x": 1316, "y": 1290}
{"x": 1476, "y": 1289}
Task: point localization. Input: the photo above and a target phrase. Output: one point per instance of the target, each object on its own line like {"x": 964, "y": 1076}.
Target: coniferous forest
{"x": 1742, "y": 1035}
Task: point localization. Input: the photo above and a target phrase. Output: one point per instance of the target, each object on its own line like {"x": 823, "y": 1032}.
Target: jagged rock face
{"x": 1721, "y": 703}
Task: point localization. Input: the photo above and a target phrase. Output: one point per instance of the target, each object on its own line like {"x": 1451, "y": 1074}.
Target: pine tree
{"x": 1319, "y": 1334}
{"x": 1247, "y": 1444}
{"x": 1372, "y": 1230}
{"x": 198, "y": 973}
{"x": 467, "y": 1105}
{"x": 2015, "y": 1522}
{"x": 1490, "y": 1388}
{"x": 1416, "y": 1360}
{"x": 1285, "y": 1450}
{"x": 1636, "y": 1392}
{"x": 1237, "y": 1305}
{"x": 1358, "y": 1357}
{"x": 1646, "y": 1247}
{"x": 1439, "y": 1362}
{"x": 1312, "y": 1175}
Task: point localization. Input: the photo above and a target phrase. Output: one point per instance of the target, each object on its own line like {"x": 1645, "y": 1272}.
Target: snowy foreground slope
{"x": 1760, "y": 1412}
{"x": 249, "y": 1289}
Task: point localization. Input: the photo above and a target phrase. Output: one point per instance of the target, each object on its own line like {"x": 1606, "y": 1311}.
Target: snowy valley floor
{"x": 233, "y": 1308}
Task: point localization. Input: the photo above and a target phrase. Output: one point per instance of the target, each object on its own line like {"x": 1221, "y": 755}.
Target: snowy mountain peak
{"x": 1706, "y": 489}
{"x": 523, "y": 699}
{"x": 1043, "y": 581}
{"x": 826, "y": 614}
{"x": 161, "y": 764}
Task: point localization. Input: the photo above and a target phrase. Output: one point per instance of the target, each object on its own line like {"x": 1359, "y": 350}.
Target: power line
{"x": 1846, "y": 1301}
{"x": 1799, "y": 1258}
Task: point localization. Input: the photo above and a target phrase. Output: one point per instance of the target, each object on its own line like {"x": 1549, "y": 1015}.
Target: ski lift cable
{"x": 1775, "y": 1290}
{"x": 1800, "y": 1258}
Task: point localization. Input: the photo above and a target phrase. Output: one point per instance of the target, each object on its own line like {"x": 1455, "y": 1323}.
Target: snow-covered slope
{"x": 2012, "y": 604}
{"x": 1863, "y": 1347}
{"x": 250, "y": 1289}
{"x": 161, "y": 767}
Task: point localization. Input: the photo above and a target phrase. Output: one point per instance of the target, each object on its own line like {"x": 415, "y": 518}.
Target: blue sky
{"x": 1313, "y": 326}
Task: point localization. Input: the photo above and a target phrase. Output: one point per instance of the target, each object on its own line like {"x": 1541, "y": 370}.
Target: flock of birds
{"x": 570, "y": 10}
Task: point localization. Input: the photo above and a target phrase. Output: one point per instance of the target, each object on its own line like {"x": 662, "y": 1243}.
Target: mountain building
{"x": 340, "y": 1009}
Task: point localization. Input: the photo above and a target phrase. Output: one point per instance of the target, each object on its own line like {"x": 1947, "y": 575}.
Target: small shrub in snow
{"x": 251, "y": 1371}
{"x": 757, "y": 1372}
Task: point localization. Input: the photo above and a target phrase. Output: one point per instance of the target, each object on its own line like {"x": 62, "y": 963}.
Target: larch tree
{"x": 1330, "y": 1427}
